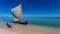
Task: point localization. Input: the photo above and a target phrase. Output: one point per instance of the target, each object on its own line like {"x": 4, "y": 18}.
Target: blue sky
{"x": 36, "y": 8}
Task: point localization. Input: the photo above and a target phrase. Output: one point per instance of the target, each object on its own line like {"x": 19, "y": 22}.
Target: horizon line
{"x": 5, "y": 15}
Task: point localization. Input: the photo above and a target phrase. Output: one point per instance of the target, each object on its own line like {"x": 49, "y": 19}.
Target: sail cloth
{"x": 17, "y": 12}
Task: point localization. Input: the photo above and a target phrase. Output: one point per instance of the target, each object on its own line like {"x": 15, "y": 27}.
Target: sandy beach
{"x": 27, "y": 29}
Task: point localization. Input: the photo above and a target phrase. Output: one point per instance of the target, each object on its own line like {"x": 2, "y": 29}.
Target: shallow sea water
{"x": 37, "y": 21}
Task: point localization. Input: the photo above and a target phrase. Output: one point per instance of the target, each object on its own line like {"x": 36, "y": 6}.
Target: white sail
{"x": 17, "y": 12}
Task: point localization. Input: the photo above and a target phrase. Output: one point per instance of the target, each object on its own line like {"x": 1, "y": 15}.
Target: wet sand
{"x": 27, "y": 29}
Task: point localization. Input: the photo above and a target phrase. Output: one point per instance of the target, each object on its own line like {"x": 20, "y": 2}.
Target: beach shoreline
{"x": 29, "y": 29}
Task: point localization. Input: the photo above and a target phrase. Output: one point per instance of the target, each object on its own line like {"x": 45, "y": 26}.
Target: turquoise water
{"x": 39, "y": 21}
{"x": 44, "y": 21}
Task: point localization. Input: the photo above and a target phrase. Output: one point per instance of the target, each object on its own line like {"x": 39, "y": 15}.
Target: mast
{"x": 17, "y": 13}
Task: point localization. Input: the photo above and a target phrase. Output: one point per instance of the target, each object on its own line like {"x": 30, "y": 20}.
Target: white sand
{"x": 3, "y": 31}
{"x": 24, "y": 29}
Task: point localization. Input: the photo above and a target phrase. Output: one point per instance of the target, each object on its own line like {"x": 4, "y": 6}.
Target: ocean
{"x": 37, "y": 21}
